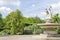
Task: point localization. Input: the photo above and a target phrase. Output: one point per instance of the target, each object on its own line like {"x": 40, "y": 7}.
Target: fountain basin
{"x": 49, "y": 25}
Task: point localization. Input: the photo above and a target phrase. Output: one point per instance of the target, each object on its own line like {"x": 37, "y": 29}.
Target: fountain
{"x": 49, "y": 32}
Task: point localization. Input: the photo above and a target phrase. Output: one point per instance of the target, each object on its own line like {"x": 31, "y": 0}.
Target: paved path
{"x": 26, "y": 37}
{"x": 17, "y": 37}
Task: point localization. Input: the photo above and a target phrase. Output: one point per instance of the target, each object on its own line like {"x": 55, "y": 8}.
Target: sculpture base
{"x": 47, "y": 37}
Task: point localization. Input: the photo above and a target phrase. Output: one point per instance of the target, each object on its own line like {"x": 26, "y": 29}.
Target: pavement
{"x": 28, "y": 37}
{"x": 17, "y": 37}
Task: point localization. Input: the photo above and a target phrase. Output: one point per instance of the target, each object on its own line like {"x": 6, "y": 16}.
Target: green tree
{"x": 14, "y": 22}
{"x": 33, "y": 28}
{"x": 36, "y": 20}
{"x": 56, "y": 19}
{"x": 1, "y": 22}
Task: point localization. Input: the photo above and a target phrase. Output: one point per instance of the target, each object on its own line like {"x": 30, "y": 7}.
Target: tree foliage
{"x": 14, "y": 22}
{"x": 1, "y": 22}
{"x": 56, "y": 19}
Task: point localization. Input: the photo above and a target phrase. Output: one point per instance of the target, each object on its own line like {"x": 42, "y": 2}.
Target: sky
{"x": 29, "y": 8}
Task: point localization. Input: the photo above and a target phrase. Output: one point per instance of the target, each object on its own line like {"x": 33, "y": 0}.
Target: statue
{"x": 48, "y": 15}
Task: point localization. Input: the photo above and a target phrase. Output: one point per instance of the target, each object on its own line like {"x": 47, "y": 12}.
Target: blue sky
{"x": 29, "y": 8}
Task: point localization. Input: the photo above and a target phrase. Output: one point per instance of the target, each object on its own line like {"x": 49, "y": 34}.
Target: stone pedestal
{"x": 46, "y": 37}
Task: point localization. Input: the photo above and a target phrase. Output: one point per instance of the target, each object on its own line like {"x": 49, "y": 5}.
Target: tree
{"x": 56, "y": 19}
{"x": 1, "y": 22}
{"x": 14, "y": 22}
{"x": 36, "y": 20}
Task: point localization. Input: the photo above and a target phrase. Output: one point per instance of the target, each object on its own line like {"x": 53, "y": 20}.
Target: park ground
{"x": 17, "y": 37}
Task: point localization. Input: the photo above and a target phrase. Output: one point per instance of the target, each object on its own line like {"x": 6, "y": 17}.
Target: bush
{"x": 37, "y": 31}
{"x": 58, "y": 30}
{"x": 32, "y": 29}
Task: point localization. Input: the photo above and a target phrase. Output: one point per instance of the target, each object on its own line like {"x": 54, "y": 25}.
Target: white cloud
{"x": 16, "y": 3}
{"x": 42, "y": 15}
{"x": 55, "y": 8}
{"x": 5, "y": 9}
{"x": 33, "y": 5}
{"x": 56, "y": 5}
{"x": 10, "y": 2}
{"x": 1, "y": 1}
